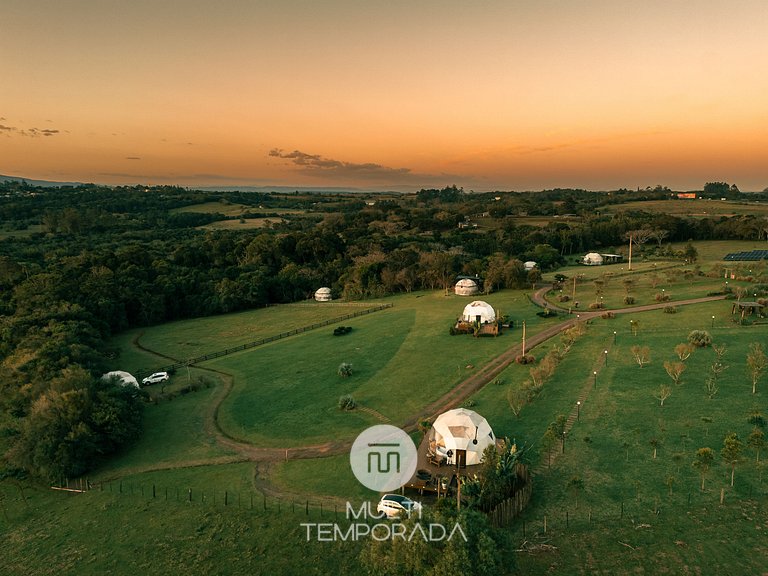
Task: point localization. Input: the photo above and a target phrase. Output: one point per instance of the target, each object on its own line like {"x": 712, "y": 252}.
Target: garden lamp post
{"x": 713, "y": 321}
{"x": 614, "y": 336}
{"x": 578, "y": 410}
{"x": 594, "y": 374}
{"x": 606, "y": 357}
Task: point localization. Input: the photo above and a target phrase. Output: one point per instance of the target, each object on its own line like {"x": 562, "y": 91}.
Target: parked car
{"x": 155, "y": 378}
{"x": 396, "y": 506}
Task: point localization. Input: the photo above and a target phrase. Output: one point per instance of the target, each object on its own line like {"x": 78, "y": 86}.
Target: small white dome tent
{"x": 530, "y": 265}
{"x": 478, "y": 311}
{"x": 466, "y": 287}
{"x": 461, "y": 436}
{"x": 593, "y": 259}
{"x": 323, "y": 294}
{"x": 124, "y": 378}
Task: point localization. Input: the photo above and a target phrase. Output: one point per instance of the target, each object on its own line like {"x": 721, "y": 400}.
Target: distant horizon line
{"x": 337, "y": 189}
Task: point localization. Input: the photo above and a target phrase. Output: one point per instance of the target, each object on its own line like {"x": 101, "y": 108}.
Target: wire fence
{"x": 267, "y": 340}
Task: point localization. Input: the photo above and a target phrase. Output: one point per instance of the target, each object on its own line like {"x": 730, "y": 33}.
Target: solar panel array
{"x": 751, "y": 255}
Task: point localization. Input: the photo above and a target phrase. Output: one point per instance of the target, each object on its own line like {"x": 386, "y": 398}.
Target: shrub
{"x": 670, "y": 309}
{"x": 629, "y": 300}
{"x": 546, "y": 313}
{"x": 525, "y": 359}
{"x": 563, "y": 298}
{"x": 596, "y": 306}
{"x": 661, "y": 297}
{"x": 341, "y": 330}
{"x": 700, "y": 338}
{"x": 345, "y": 369}
{"x": 607, "y": 315}
{"x": 347, "y": 402}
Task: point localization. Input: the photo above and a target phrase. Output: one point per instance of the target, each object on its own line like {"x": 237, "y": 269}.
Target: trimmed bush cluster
{"x": 608, "y": 315}
{"x": 341, "y": 330}
{"x": 345, "y": 369}
{"x": 629, "y": 300}
{"x": 700, "y": 338}
{"x": 670, "y": 309}
{"x": 347, "y": 402}
{"x": 596, "y": 306}
{"x": 525, "y": 359}
{"x": 661, "y": 297}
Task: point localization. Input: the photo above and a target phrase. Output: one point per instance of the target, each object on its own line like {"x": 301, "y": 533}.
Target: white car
{"x": 155, "y": 378}
{"x": 396, "y": 506}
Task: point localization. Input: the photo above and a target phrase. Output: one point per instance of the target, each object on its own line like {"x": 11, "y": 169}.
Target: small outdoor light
{"x": 578, "y": 410}
{"x": 594, "y": 374}
{"x": 713, "y": 321}
{"x": 606, "y": 357}
{"x": 614, "y": 336}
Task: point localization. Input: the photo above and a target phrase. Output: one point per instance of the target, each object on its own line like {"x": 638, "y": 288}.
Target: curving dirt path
{"x": 265, "y": 456}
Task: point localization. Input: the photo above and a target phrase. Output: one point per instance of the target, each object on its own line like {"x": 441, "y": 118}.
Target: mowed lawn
{"x": 286, "y": 393}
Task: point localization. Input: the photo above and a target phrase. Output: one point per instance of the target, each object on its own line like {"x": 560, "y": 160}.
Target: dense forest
{"x": 78, "y": 264}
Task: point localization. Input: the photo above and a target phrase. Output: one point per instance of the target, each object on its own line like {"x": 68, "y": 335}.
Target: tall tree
{"x": 757, "y": 362}
{"x": 703, "y": 462}
{"x": 731, "y": 451}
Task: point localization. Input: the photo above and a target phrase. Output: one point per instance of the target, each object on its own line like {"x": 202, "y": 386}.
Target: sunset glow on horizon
{"x": 496, "y": 95}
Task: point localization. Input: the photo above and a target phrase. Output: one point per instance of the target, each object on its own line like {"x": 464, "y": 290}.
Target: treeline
{"x": 108, "y": 259}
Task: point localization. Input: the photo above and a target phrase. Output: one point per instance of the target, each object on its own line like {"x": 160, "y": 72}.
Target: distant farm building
{"x": 749, "y": 256}
{"x": 595, "y": 259}
{"x": 122, "y": 378}
{"x": 467, "y": 286}
{"x": 323, "y": 295}
{"x": 686, "y": 195}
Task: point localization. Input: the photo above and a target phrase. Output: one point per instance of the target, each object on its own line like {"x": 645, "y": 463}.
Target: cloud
{"x": 318, "y": 165}
{"x": 28, "y": 132}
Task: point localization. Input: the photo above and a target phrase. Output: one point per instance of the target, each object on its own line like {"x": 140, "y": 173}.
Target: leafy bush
{"x": 670, "y": 309}
{"x": 700, "y": 338}
{"x": 525, "y": 359}
{"x": 341, "y": 330}
{"x": 563, "y": 298}
{"x": 607, "y": 315}
{"x": 347, "y": 402}
{"x": 661, "y": 297}
{"x": 345, "y": 369}
{"x": 629, "y": 300}
{"x": 596, "y": 306}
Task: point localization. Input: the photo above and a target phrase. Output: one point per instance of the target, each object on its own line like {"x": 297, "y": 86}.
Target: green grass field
{"x": 631, "y": 513}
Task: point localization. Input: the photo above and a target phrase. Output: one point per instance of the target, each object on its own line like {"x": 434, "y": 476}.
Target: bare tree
{"x": 720, "y": 350}
{"x": 642, "y": 354}
{"x": 662, "y": 394}
{"x": 757, "y": 362}
{"x": 684, "y": 351}
{"x": 674, "y": 370}
{"x": 659, "y": 235}
{"x": 517, "y": 398}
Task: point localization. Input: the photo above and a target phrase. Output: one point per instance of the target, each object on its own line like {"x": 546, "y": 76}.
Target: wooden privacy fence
{"x": 267, "y": 340}
{"x": 507, "y": 510}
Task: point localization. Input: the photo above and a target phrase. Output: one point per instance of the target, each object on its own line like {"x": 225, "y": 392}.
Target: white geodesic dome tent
{"x": 124, "y": 378}
{"x": 461, "y": 434}
{"x": 478, "y": 311}
{"x": 530, "y": 265}
{"x": 466, "y": 287}
{"x": 323, "y": 294}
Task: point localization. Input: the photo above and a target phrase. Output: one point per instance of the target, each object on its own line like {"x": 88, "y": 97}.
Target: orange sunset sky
{"x": 488, "y": 95}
